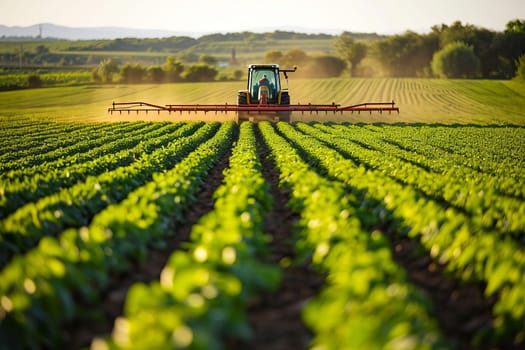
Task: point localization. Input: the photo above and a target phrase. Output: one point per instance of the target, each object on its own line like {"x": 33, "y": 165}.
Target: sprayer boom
{"x": 262, "y": 108}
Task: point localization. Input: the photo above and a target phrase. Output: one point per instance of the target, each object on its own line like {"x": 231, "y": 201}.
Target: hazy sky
{"x": 205, "y": 16}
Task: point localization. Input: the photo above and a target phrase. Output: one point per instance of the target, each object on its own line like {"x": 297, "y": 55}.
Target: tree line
{"x": 447, "y": 51}
{"x": 173, "y": 70}
{"x": 110, "y": 71}
{"x": 453, "y": 51}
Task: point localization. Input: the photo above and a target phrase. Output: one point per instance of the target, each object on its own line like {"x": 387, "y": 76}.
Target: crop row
{"x": 367, "y": 301}
{"x": 62, "y": 277}
{"x": 451, "y": 237}
{"x": 200, "y": 298}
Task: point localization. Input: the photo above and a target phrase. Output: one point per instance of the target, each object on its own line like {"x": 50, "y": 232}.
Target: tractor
{"x": 263, "y": 99}
{"x": 264, "y": 86}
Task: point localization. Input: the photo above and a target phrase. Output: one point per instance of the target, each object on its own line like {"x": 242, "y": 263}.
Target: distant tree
{"x": 188, "y": 57}
{"x": 456, "y": 60}
{"x": 34, "y": 81}
{"x": 237, "y": 74}
{"x": 456, "y": 32}
{"x": 208, "y": 60}
{"x": 173, "y": 69}
{"x": 156, "y": 74}
{"x": 516, "y": 26}
{"x": 281, "y": 35}
{"x": 520, "y": 70}
{"x": 41, "y": 49}
{"x": 132, "y": 74}
{"x": 351, "y": 51}
{"x": 325, "y": 67}
{"x": 294, "y": 57}
{"x": 408, "y": 54}
{"x": 273, "y": 56}
{"x": 510, "y": 46}
{"x": 200, "y": 72}
{"x": 105, "y": 71}
{"x": 480, "y": 39}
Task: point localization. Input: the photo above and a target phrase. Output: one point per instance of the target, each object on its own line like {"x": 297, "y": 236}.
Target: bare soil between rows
{"x": 275, "y": 317}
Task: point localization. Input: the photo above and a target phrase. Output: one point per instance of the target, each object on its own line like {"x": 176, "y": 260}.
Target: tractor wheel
{"x": 285, "y": 98}
{"x": 241, "y": 99}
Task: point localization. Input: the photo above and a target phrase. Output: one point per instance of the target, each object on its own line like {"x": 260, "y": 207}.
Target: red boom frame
{"x": 261, "y": 108}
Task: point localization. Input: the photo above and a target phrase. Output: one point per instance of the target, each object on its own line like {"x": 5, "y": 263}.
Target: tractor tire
{"x": 285, "y": 98}
{"x": 241, "y": 99}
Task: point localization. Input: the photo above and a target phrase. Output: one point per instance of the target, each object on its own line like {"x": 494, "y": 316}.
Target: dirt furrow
{"x": 276, "y": 317}
{"x": 461, "y": 309}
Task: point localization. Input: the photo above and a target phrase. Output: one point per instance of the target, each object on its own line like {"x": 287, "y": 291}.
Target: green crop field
{"x": 160, "y": 231}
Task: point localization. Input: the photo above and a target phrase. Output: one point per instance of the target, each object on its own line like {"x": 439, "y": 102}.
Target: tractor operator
{"x": 265, "y": 82}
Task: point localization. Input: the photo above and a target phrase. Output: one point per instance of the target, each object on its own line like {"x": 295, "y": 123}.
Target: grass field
{"x": 420, "y": 100}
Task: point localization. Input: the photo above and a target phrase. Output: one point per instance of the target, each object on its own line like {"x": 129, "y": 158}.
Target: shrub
{"x": 351, "y": 51}
{"x": 456, "y": 60}
{"x": 520, "y": 70}
{"x": 173, "y": 69}
{"x": 105, "y": 71}
{"x": 132, "y": 74}
{"x": 156, "y": 74}
{"x": 34, "y": 81}
{"x": 325, "y": 67}
{"x": 200, "y": 72}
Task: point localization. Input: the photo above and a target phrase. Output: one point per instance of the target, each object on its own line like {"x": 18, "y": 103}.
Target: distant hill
{"x": 49, "y": 30}
{"x": 53, "y": 31}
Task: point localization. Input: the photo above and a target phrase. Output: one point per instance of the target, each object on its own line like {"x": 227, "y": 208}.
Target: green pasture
{"x": 420, "y": 100}
{"x": 249, "y": 49}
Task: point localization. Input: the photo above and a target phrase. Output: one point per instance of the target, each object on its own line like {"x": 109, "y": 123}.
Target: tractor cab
{"x": 264, "y": 85}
